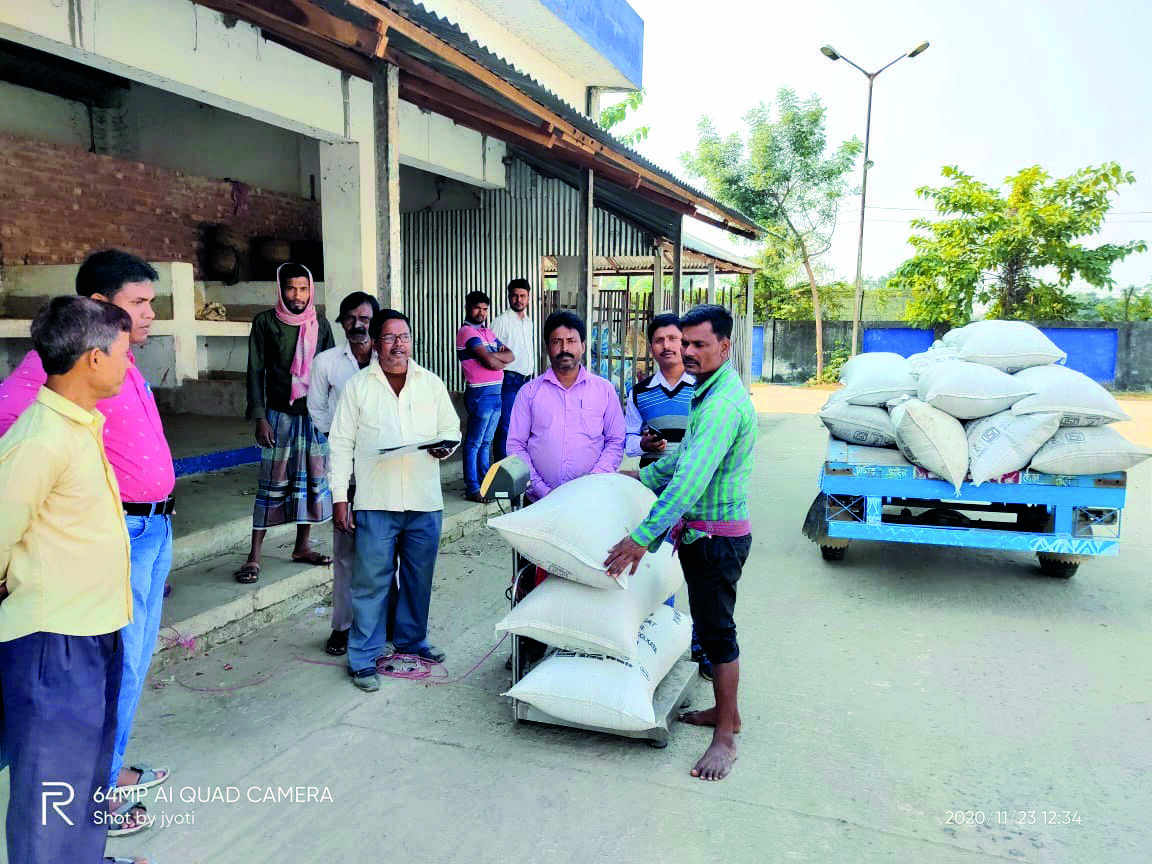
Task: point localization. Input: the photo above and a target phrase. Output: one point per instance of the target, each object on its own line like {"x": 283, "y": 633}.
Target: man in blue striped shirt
{"x": 657, "y": 407}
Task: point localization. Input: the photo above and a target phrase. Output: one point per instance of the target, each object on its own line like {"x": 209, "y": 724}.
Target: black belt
{"x": 150, "y": 508}
{"x": 508, "y": 372}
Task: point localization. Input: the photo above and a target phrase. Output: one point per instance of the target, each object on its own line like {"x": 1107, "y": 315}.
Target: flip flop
{"x": 247, "y": 574}
{"x": 149, "y": 777}
{"x": 313, "y": 557}
{"x": 121, "y": 811}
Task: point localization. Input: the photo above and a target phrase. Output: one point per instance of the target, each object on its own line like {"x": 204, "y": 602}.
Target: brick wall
{"x": 57, "y": 204}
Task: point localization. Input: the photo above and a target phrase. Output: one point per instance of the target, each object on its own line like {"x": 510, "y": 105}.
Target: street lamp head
{"x": 919, "y": 49}
{"x": 831, "y": 53}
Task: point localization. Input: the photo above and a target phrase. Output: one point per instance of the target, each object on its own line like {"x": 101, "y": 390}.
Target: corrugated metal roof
{"x": 447, "y": 32}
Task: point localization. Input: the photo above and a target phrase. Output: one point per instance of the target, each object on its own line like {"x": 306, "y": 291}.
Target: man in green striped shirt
{"x": 703, "y": 490}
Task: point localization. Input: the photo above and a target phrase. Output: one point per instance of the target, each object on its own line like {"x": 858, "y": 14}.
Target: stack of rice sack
{"x": 987, "y": 400}
{"x": 615, "y": 641}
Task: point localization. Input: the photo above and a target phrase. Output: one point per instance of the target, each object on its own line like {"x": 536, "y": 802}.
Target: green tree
{"x": 614, "y": 115}
{"x": 996, "y": 247}
{"x": 781, "y": 175}
{"x": 1133, "y": 304}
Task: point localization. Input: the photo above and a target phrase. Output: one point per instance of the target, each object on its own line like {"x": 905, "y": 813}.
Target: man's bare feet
{"x": 707, "y": 717}
{"x": 717, "y": 760}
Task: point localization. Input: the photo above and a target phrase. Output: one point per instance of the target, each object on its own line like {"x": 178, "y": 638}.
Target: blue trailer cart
{"x": 870, "y": 493}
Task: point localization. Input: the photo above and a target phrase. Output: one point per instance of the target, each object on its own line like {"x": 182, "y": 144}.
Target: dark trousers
{"x": 60, "y": 695}
{"x": 712, "y": 567}
{"x": 513, "y": 381}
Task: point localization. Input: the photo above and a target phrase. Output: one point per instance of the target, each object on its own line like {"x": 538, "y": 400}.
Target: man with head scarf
{"x": 293, "y": 486}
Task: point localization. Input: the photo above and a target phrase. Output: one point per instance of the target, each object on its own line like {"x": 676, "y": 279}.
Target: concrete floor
{"x": 879, "y": 695}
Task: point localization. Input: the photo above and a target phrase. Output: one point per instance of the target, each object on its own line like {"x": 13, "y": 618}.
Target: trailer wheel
{"x": 833, "y": 553}
{"x": 1058, "y": 566}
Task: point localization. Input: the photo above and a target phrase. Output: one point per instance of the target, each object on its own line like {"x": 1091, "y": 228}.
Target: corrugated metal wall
{"x": 449, "y": 253}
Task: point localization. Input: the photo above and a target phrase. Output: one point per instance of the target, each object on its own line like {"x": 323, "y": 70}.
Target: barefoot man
{"x": 703, "y": 490}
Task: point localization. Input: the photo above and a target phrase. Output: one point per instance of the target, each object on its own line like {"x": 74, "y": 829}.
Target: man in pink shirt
{"x": 136, "y": 447}
{"x": 482, "y": 360}
{"x": 567, "y": 422}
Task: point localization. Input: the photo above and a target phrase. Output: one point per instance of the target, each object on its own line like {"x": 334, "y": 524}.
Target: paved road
{"x": 880, "y": 695}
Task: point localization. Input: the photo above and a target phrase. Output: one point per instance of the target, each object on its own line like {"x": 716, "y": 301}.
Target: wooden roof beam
{"x": 472, "y": 108}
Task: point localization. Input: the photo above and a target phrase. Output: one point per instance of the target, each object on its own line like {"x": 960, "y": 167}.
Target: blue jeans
{"x": 513, "y": 381}
{"x": 60, "y": 716}
{"x": 151, "y": 538}
{"x": 383, "y": 538}
{"x": 483, "y": 404}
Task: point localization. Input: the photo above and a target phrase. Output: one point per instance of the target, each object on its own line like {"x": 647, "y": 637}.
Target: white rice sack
{"x": 858, "y": 424}
{"x": 570, "y": 532}
{"x": 931, "y": 439}
{"x": 875, "y": 378}
{"x": 968, "y": 390}
{"x": 868, "y": 362}
{"x": 953, "y": 337}
{"x": 1092, "y": 450}
{"x": 579, "y": 617}
{"x": 925, "y": 361}
{"x": 1005, "y": 442}
{"x": 1007, "y": 345}
{"x": 604, "y": 691}
{"x": 1078, "y": 399}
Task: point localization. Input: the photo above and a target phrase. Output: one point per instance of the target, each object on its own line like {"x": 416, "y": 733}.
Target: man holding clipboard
{"x": 394, "y": 424}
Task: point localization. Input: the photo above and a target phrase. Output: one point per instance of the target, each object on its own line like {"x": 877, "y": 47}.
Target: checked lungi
{"x": 293, "y": 485}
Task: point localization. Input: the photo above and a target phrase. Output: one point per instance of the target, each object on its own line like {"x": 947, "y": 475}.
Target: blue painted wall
{"x": 757, "y": 370}
{"x": 612, "y": 27}
{"x": 1090, "y": 350}
{"x": 904, "y": 341}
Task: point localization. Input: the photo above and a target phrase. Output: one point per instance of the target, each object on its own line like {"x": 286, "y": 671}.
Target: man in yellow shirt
{"x": 65, "y": 590}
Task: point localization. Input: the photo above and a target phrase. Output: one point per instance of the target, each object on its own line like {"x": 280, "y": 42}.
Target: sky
{"x": 1004, "y": 85}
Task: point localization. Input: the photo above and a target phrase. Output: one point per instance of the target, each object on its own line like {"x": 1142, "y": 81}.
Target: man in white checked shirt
{"x": 331, "y": 370}
{"x": 515, "y": 329}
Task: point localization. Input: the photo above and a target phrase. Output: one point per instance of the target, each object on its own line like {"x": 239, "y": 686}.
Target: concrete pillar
{"x": 386, "y": 113}
{"x": 187, "y": 360}
{"x": 677, "y": 267}
{"x": 568, "y": 275}
{"x": 340, "y": 216}
{"x": 711, "y": 282}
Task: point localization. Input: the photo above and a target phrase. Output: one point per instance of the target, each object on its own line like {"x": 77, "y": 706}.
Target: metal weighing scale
{"x": 508, "y": 480}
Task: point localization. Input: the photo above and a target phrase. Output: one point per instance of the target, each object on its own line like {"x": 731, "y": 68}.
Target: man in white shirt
{"x": 399, "y": 505}
{"x": 331, "y": 370}
{"x": 514, "y": 328}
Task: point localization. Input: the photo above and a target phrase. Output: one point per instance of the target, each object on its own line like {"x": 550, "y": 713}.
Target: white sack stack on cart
{"x": 1078, "y": 399}
{"x": 1005, "y": 345}
{"x": 578, "y": 617}
{"x": 570, "y": 532}
{"x": 876, "y": 378}
{"x": 1088, "y": 450}
{"x": 604, "y": 691}
{"x": 865, "y": 425}
{"x": 969, "y": 391}
{"x": 931, "y": 439}
{"x": 1005, "y": 442}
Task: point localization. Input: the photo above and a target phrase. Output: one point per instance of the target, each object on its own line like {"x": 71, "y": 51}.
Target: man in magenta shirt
{"x": 482, "y": 360}
{"x": 567, "y": 422}
{"x": 136, "y": 447}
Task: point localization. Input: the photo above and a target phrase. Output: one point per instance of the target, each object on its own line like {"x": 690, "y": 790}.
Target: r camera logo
{"x": 59, "y": 795}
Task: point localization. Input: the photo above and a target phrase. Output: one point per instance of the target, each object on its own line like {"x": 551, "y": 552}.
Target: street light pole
{"x": 858, "y": 304}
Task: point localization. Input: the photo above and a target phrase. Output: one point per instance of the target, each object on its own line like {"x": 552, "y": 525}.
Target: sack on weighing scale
{"x": 578, "y": 617}
{"x": 605, "y": 691}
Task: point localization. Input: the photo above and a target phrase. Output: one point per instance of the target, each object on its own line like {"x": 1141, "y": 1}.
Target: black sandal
{"x": 248, "y": 574}
{"x": 337, "y": 644}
